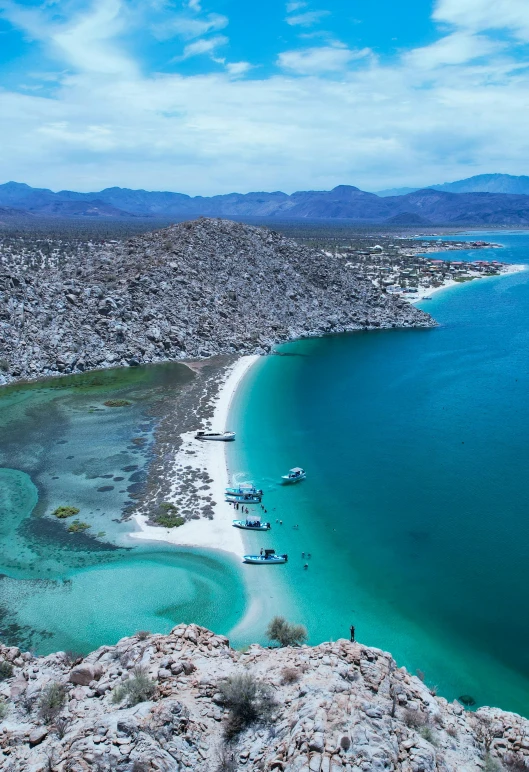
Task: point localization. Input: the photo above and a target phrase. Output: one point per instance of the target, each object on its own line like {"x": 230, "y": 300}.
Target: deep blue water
{"x": 415, "y": 510}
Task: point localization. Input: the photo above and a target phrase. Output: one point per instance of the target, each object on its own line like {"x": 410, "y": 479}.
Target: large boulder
{"x": 85, "y": 673}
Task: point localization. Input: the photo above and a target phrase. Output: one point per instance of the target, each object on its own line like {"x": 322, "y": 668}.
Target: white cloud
{"x": 481, "y": 15}
{"x": 238, "y": 68}
{"x": 414, "y": 121}
{"x": 320, "y": 59}
{"x": 306, "y": 19}
{"x": 295, "y": 5}
{"x": 203, "y": 46}
{"x": 189, "y": 27}
{"x": 194, "y": 5}
{"x": 458, "y": 48}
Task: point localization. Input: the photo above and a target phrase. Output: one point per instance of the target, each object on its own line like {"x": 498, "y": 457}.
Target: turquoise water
{"x": 415, "y": 507}
{"x": 60, "y": 445}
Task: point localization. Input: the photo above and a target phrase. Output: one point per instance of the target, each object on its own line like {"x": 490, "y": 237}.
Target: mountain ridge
{"x": 345, "y": 202}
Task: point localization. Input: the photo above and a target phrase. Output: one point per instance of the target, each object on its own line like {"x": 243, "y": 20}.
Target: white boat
{"x": 252, "y": 523}
{"x": 295, "y": 475}
{"x": 243, "y": 490}
{"x": 267, "y": 558}
{"x": 220, "y": 436}
{"x": 243, "y": 498}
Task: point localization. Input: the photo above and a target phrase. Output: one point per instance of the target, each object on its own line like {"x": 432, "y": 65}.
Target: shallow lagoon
{"x": 60, "y": 445}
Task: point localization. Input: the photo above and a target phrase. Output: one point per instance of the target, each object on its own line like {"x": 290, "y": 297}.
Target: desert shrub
{"x": 6, "y": 670}
{"x": 60, "y": 726}
{"x": 491, "y": 764}
{"x": 170, "y": 521}
{"x": 248, "y": 700}
{"x": 51, "y": 700}
{"x": 286, "y": 633}
{"x": 3, "y": 708}
{"x": 143, "y": 634}
{"x": 226, "y": 760}
{"x": 415, "y": 718}
{"x": 428, "y": 735}
{"x": 72, "y": 657}
{"x": 63, "y": 512}
{"x": 289, "y": 675}
{"x": 78, "y": 526}
{"x": 451, "y": 730}
{"x": 138, "y": 688}
{"x": 345, "y": 742}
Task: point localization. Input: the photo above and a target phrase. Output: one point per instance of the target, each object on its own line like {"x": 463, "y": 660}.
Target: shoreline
{"x": 425, "y": 293}
{"x": 217, "y": 533}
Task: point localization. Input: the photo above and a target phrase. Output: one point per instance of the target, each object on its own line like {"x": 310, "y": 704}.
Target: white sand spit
{"x": 210, "y": 457}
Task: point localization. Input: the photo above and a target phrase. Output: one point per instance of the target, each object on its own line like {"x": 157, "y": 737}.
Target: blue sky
{"x": 212, "y": 96}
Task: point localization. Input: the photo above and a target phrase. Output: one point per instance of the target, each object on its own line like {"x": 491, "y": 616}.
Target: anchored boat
{"x": 295, "y": 475}
{"x": 221, "y": 436}
{"x": 268, "y": 557}
{"x": 243, "y": 490}
{"x": 252, "y": 523}
{"x": 243, "y": 498}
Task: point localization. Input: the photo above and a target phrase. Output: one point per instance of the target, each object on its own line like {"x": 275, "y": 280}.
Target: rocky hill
{"x": 192, "y": 290}
{"x": 187, "y": 701}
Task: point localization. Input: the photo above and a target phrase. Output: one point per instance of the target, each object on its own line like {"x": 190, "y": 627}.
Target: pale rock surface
{"x": 345, "y": 708}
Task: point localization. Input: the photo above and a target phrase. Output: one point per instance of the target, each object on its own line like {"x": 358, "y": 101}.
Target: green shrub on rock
{"x": 248, "y": 700}
{"x": 63, "y": 512}
{"x": 6, "y": 670}
{"x": 51, "y": 700}
{"x": 138, "y": 688}
{"x": 285, "y": 633}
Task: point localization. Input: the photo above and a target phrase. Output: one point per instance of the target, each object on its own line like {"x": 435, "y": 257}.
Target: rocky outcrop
{"x": 192, "y": 290}
{"x": 338, "y": 707}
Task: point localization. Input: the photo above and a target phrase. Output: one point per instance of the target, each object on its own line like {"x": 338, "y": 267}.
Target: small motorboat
{"x": 268, "y": 557}
{"x": 220, "y": 436}
{"x": 252, "y": 523}
{"x": 243, "y": 498}
{"x": 295, "y": 475}
{"x": 243, "y": 490}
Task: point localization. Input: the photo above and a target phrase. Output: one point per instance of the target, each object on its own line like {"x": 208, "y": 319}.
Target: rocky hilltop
{"x": 195, "y": 289}
{"x": 160, "y": 702}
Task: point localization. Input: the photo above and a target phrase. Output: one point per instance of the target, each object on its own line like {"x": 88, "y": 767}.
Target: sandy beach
{"x": 427, "y": 292}
{"x": 210, "y": 457}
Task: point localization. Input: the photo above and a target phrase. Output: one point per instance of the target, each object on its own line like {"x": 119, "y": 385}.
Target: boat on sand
{"x": 219, "y": 436}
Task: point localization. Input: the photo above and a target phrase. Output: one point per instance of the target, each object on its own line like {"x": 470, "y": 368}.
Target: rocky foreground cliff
{"x": 160, "y": 702}
{"x": 191, "y": 290}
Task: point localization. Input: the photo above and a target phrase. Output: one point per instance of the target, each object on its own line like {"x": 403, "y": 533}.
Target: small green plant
{"x": 63, "y": 512}
{"x": 51, "y": 700}
{"x": 286, "y": 633}
{"x": 289, "y": 675}
{"x": 138, "y": 688}
{"x": 78, "y": 526}
{"x": 4, "y": 707}
{"x": 427, "y": 734}
{"x": 117, "y": 403}
{"x": 491, "y": 764}
{"x": 248, "y": 700}
{"x": 170, "y": 521}
{"x": 6, "y": 670}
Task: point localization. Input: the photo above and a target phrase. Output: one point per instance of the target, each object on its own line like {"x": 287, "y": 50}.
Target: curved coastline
{"x": 209, "y": 456}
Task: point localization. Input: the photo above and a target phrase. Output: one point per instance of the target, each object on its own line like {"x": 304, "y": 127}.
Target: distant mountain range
{"x": 481, "y": 183}
{"x": 427, "y": 206}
